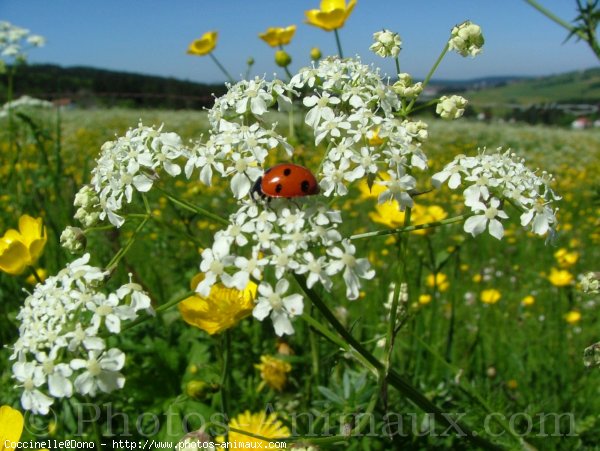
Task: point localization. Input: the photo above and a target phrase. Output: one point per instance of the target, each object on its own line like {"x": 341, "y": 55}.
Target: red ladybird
{"x": 286, "y": 180}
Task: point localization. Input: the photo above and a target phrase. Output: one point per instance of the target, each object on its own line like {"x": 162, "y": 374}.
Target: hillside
{"x": 97, "y": 87}
{"x": 88, "y": 86}
{"x": 572, "y": 87}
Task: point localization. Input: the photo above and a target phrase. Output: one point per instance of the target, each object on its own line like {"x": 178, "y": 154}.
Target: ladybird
{"x": 286, "y": 180}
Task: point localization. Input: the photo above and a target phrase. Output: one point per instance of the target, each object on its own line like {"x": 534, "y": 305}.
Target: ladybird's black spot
{"x": 304, "y": 186}
{"x": 278, "y": 188}
{"x": 287, "y": 171}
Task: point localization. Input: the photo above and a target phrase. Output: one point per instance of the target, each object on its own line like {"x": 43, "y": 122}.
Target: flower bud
{"x": 73, "y": 240}
{"x": 315, "y": 54}
{"x": 590, "y": 283}
{"x": 250, "y": 61}
{"x": 86, "y": 217}
{"x": 404, "y": 87}
{"x": 451, "y": 107}
{"x": 417, "y": 130}
{"x": 282, "y": 58}
{"x": 86, "y": 197}
{"x": 387, "y": 43}
{"x": 466, "y": 39}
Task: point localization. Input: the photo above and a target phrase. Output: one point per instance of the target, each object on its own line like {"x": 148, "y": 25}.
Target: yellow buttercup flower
{"x": 273, "y": 372}
{"x": 424, "y": 299}
{"x": 440, "y": 280}
{"x": 332, "y": 15}
{"x": 573, "y": 317}
{"x": 267, "y": 426}
{"x": 528, "y": 300}
{"x": 22, "y": 248}
{"x": 221, "y": 310}
{"x": 389, "y": 214}
{"x": 490, "y": 296}
{"x": 278, "y": 36}
{"x": 560, "y": 277}
{"x": 204, "y": 45}
{"x": 11, "y": 427}
{"x": 566, "y": 259}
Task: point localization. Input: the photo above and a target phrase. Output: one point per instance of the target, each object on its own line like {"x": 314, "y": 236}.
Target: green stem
{"x": 397, "y": 65}
{"x": 412, "y": 228}
{"x": 389, "y": 342}
{"x": 193, "y": 208}
{"x": 35, "y": 274}
{"x": 469, "y": 392}
{"x": 338, "y": 42}
{"x": 226, "y": 356}
{"x": 159, "y": 309}
{"x": 119, "y": 255}
{"x": 553, "y": 17}
{"x": 220, "y": 66}
{"x": 393, "y": 378}
{"x": 429, "y": 75}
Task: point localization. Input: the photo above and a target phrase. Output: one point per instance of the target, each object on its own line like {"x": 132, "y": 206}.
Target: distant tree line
{"x": 90, "y": 87}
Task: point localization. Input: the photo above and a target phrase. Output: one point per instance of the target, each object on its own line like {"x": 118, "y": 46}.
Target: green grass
{"x": 573, "y": 87}
{"x": 473, "y": 360}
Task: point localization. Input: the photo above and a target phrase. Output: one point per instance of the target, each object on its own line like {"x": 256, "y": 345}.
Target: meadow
{"x": 305, "y": 265}
{"x": 517, "y": 358}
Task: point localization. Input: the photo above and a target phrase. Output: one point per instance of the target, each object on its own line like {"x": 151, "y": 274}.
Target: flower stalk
{"x": 393, "y": 378}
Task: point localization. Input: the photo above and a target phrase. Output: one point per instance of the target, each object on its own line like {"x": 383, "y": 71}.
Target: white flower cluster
{"x": 23, "y": 103}
{"x": 238, "y": 144}
{"x": 387, "y": 44}
{"x": 452, "y": 107}
{"x": 73, "y": 239}
{"x": 299, "y": 237}
{"x": 405, "y": 87}
{"x": 131, "y": 162}
{"x": 497, "y": 178}
{"x": 13, "y": 39}
{"x": 351, "y": 110}
{"x": 466, "y": 39}
{"x": 590, "y": 283}
{"x": 60, "y": 348}
{"x": 88, "y": 202}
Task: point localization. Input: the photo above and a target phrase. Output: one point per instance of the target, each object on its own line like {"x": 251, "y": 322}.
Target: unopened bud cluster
{"x": 466, "y": 39}
{"x": 387, "y": 43}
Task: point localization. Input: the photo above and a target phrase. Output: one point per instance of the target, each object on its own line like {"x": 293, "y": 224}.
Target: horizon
{"x": 434, "y": 80}
{"x": 519, "y": 40}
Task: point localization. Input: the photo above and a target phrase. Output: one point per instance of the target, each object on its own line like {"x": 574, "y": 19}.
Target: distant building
{"x": 580, "y": 123}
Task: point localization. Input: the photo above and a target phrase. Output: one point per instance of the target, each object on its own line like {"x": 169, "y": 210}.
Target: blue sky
{"x": 151, "y": 36}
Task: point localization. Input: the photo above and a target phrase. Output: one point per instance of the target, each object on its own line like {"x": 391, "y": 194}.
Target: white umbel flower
{"x": 281, "y": 307}
{"x": 387, "y": 44}
{"x": 466, "y": 39}
{"x": 452, "y": 107}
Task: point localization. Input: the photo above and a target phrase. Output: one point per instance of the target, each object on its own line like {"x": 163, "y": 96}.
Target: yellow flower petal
{"x": 267, "y": 426}
{"x": 277, "y": 36}
{"x": 204, "y": 45}
{"x": 11, "y": 427}
{"x": 332, "y": 15}
{"x": 221, "y": 310}
{"x": 31, "y": 229}
{"x": 490, "y": 296}
{"x": 14, "y": 257}
{"x": 330, "y": 5}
